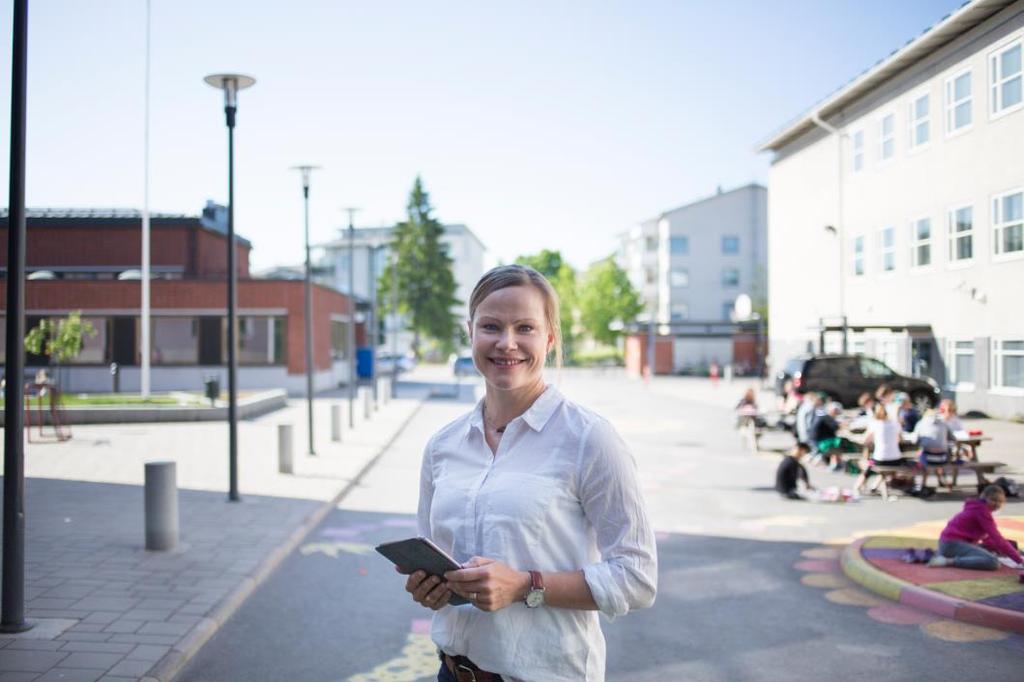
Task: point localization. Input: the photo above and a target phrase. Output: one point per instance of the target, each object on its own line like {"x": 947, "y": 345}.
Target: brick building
{"x": 88, "y": 260}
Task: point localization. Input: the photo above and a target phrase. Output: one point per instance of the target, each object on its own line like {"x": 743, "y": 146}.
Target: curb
{"x": 861, "y": 571}
{"x": 173, "y": 661}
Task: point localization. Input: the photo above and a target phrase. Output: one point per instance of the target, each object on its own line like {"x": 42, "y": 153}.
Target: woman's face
{"x": 510, "y": 337}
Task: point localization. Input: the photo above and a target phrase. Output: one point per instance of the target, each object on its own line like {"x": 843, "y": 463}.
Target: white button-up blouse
{"x": 560, "y": 494}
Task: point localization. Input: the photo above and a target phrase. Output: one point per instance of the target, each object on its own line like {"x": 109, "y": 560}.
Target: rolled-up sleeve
{"x": 627, "y": 575}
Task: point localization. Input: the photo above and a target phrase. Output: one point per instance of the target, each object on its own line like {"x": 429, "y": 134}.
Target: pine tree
{"x": 426, "y": 285}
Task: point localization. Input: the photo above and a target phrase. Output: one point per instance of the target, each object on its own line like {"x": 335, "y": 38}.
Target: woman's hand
{"x": 428, "y": 590}
{"x": 490, "y": 585}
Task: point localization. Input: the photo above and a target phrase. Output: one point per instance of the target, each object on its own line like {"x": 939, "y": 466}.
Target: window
{"x": 858, "y": 150}
{"x": 339, "y": 339}
{"x": 175, "y": 341}
{"x": 1008, "y": 222}
{"x": 1008, "y": 364}
{"x": 679, "y": 246}
{"x": 921, "y": 243}
{"x": 730, "y": 244}
{"x": 679, "y": 311}
{"x": 730, "y": 277}
{"x": 960, "y": 363}
{"x": 727, "y": 310}
{"x": 651, "y": 243}
{"x": 679, "y": 277}
{"x": 961, "y": 234}
{"x": 887, "y": 137}
{"x": 887, "y": 249}
{"x": 261, "y": 340}
{"x": 958, "y": 103}
{"x": 1005, "y": 71}
{"x": 919, "y": 114}
{"x": 94, "y": 346}
{"x": 873, "y": 369}
{"x": 858, "y": 256}
{"x": 651, "y": 275}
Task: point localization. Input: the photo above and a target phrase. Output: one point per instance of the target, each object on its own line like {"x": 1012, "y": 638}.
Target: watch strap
{"x": 536, "y": 580}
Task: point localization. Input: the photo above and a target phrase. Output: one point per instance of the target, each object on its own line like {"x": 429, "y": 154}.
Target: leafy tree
{"x": 606, "y": 294}
{"x": 426, "y": 285}
{"x": 59, "y": 340}
{"x": 563, "y": 279}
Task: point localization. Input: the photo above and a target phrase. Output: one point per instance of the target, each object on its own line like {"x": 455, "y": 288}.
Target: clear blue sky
{"x": 538, "y": 124}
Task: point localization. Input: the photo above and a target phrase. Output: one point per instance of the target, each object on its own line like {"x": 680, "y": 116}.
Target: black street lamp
{"x": 13, "y": 598}
{"x": 306, "y": 171}
{"x": 231, "y": 83}
{"x": 352, "y": 317}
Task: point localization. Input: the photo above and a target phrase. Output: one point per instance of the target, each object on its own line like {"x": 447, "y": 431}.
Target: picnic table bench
{"x": 887, "y": 472}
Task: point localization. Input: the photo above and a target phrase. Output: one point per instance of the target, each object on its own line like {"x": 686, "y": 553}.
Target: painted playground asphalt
{"x": 989, "y": 599}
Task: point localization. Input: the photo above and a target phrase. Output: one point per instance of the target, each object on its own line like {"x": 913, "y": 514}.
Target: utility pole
{"x": 352, "y": 378}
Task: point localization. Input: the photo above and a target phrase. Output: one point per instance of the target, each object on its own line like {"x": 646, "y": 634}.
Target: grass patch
{"x": 124, "y": 400}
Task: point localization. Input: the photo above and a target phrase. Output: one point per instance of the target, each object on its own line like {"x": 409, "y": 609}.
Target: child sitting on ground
{"x": 971, "y": 538}
{"x": 791, "y": 471}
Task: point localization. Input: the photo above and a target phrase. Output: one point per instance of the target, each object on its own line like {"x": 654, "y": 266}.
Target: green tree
{"x": 606, "y": 295}
{"x": 59, "y": 340}
{"x": 563, "y": 278}
{"x": 426, "y": 285}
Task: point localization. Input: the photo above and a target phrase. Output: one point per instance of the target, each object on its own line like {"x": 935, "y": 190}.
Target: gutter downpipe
{"x": 817, "y": 120}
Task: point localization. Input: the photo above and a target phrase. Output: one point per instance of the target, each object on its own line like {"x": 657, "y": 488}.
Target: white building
{"x": 897, "y": 203}
{"x": 690, "y": 263}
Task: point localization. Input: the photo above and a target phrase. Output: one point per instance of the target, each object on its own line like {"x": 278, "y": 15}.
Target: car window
{"x": 794, "y": 366}
{"x": 873, "y": 369}
{"x": 844, "y": 368}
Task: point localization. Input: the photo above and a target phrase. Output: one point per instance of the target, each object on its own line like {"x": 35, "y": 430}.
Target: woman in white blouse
{"x": 538, "y": 499}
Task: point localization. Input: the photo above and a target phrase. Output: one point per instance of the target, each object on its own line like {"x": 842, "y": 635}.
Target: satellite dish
{"x": 743, "y": 307}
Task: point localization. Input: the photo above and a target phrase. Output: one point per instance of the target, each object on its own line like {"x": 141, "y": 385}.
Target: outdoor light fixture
{"x": 306, "y": 171}
{"x": 231, "y": 83}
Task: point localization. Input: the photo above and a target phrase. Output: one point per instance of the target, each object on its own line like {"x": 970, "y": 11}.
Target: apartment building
{"x": 691, "y": 263}
{"x": 896, "y": 213}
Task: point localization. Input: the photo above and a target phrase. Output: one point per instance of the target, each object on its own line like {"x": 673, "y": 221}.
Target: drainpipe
{"x": 840, "y": 235}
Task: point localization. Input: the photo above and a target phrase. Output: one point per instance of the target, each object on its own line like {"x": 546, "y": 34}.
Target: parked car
{"x": 463, "y": 366}
{"x": 386, "y": 363}
{"x": 845, "y": 377}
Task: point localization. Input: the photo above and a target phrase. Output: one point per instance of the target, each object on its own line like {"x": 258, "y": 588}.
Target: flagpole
{"x": 144, "y": 347}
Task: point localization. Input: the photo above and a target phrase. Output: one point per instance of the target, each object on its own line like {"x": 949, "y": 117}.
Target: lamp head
{"x": 306, "y": 171}
{"x": 831, "y": 229}
{"x": 230, "y": 83}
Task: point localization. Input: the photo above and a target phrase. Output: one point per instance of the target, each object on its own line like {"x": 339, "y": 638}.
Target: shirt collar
{"x": 536, "y": 417}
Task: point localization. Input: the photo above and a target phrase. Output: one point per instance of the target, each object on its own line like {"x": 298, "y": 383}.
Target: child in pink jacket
{"x": 971, "y": 539}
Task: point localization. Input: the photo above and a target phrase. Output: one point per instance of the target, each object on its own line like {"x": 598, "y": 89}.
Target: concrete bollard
{"x": 336, "y": 422}
{"x": 367, "y": 401}
{"x": 161, "y": 493}
{"x": 285, "y": 461}
{"x": 386, "y": 389}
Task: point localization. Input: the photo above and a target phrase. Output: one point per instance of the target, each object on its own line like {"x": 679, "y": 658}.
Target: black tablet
{"x": 420, "y": 554}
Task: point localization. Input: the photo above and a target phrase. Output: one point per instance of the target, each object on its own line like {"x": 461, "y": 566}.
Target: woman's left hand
{"x": 489, "y": 584}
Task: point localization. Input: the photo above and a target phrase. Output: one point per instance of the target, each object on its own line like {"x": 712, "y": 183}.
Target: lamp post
{"x": 371, "y": 333}
{"x": 352, "y": 317}
{"x": 306, "y": 171}
{"x": 13, "y": 598}
{"x": 394, "y": 320}
{"x": 231, "y": 83}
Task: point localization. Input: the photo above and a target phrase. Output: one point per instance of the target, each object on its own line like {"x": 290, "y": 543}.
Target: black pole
{"x": 309, "y": 328}
{"x": 13, "y": 600}
{"x": 371, "y": 328}
{"x": 232, "y": 321}
{"x": 351, "y": 321}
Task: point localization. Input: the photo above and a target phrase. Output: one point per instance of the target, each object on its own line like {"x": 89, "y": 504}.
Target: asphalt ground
{"x": 749, "y": 588}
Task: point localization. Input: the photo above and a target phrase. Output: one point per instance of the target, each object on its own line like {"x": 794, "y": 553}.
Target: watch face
{"x": 535, "y": 598}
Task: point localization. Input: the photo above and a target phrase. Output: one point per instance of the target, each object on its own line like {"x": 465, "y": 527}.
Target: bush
{"x": 600, "y": 357}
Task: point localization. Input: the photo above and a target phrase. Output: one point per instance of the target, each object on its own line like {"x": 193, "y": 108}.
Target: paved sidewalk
{"x": 991, "y": 599}
{"x": 106, "y": 609}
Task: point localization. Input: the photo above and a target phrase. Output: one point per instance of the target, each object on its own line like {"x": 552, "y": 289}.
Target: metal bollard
{"x": 336, "y": 423}
{"x": 367, "y": 401}
{"x": 285, "y": 461}
{"x": 161, "y": 493}
{"x": 386, "y": 390}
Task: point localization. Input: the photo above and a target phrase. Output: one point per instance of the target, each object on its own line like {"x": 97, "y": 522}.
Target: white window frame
{"x": 857, "y": 153}
{"x": 913, "y": 122}
{"x": 730, "y": 284}
{"x": 998, "y": 225}
{"x": 996, "y": 79}
{"x": 685, "y": 272}
{"x": 951, "y": 356}
{"x": 730, "y": 253}
{"x": 884, "y": 250}
{"x": 858, "y": 255}
{"x": 952, "y": 237}
{"x": 949, "y": 95}
{"x": 997, "y": 368}
{"x": 916, "y": 243}
{"x": 882, "y": 158}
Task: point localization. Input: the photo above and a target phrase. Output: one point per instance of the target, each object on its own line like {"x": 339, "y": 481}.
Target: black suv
{"x": 845, "y": 377}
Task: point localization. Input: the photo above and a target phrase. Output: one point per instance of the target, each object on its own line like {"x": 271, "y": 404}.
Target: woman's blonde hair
{"x": 880, "y": 412}
{"x": 505, "y": 276}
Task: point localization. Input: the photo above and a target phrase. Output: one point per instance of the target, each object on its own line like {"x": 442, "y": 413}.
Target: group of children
{"x": 971, "y": 539}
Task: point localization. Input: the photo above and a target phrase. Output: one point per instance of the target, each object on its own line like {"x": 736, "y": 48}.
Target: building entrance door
{"x": 921, "y": 358}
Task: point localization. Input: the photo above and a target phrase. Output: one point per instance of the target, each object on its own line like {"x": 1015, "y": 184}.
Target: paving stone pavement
{"x": 106, "y": 609}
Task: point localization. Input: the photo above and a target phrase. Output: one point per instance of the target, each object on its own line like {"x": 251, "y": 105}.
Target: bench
{"x": 887, "y": 472}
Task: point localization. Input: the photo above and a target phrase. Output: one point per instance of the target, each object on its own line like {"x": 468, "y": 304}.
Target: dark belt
{"x": 464, "y": 670}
